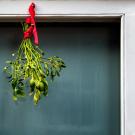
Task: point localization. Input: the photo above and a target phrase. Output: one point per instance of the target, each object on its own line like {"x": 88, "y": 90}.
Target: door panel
{"x": 85, "y": 100}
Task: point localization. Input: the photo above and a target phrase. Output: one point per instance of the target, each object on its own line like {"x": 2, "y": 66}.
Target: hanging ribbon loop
{"x": 31, "y": 21}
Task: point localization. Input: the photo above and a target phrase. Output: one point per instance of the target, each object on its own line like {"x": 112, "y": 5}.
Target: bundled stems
{"x": 31, "y": 66}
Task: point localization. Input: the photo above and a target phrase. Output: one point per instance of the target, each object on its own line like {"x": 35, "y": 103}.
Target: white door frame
{"x": 98, "y": 10}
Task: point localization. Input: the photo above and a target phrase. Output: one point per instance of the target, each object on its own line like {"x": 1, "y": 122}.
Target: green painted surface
{"x": 85, "y": 100}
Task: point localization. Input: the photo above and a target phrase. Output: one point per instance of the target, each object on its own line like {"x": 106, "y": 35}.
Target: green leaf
{"x": 20, "y": 93}
{"x": 8, "y": 62}
{"x": 36, "y": 97}
{"x": 57, "y": 72}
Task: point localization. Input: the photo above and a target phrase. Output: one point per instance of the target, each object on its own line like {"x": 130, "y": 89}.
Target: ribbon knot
{"x": 31, "y": 21}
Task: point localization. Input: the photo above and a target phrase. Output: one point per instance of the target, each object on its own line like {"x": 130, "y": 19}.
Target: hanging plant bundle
{"x": 30, "y": 64}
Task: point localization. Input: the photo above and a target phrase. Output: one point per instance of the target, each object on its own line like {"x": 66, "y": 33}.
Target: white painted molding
{"x": 20, "y": 7}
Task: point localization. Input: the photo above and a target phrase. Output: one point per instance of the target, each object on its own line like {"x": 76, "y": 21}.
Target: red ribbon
{"x": 32, "y": 29}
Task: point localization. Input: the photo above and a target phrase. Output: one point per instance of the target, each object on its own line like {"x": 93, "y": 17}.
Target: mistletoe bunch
{"x": 31, "y": 66}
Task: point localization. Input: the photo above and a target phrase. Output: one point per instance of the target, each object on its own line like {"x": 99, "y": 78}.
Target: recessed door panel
{"x": 85, "y": 99}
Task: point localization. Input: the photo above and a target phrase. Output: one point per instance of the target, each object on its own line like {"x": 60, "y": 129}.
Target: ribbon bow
{"x": 31, "y": 21}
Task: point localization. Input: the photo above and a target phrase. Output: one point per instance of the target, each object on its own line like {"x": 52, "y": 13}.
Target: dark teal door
{"x": 85, "y": 100}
